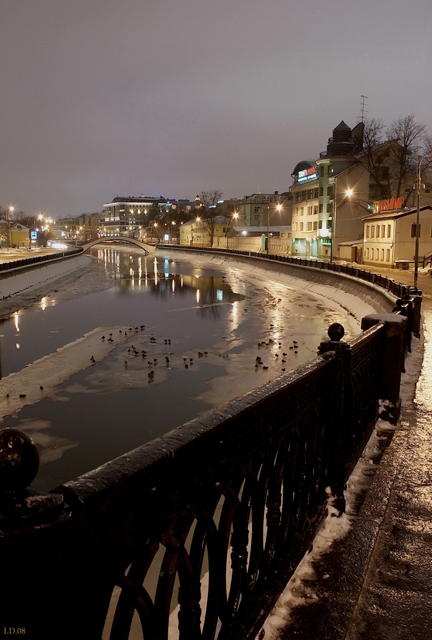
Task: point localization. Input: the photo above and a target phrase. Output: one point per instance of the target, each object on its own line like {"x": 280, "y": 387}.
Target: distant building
{"x": 260, "y": 209}
{"x": 332, "y": 194}
{"x": 196, "y": 232}
{"x": 19, "y": 236}
{"x": 390, "y": 235}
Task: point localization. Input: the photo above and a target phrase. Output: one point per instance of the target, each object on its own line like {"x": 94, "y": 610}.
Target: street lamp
{"x": 418, "y": 186}
{"x": 11, "y": 210}
{"x": 348, "y": 194}
{"x": 278, "y": 208}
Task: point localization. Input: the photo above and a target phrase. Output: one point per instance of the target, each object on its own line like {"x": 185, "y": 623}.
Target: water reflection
{"x": 157, "y": 276}
{"x": 147, "y": 285}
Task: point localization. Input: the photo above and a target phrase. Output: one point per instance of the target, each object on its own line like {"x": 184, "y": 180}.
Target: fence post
{"x": 340, "y": 409}
{"x": 30, "y": 542}
{"x": 392, "y": 360}
{"x": 417, "y": 297}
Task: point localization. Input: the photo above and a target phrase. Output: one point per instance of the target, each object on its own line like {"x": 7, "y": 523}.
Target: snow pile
{"x": 335, "y": 527}
{"x": 38, "y": 379}
{"x": 35, "y": 277}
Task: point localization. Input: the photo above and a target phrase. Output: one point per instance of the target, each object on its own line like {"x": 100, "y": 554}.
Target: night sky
{"x": 101, "y": 98}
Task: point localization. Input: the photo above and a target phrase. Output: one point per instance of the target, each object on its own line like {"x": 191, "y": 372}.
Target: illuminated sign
{"x": 388, "y": 205}
{"x": 33, "y": 235}
{"x": 307, "y": 174}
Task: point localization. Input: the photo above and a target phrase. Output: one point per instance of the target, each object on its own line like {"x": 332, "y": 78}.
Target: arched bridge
{"x": 148, "y": 248}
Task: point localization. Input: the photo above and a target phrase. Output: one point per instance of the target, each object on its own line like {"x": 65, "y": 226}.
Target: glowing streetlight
{"x": 11, "y": 210}
{"x": 279, "y": 209}
{"x": 348, "y": 193}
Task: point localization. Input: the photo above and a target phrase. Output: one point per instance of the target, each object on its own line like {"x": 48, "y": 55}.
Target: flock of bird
{"x": 188, "y": 362}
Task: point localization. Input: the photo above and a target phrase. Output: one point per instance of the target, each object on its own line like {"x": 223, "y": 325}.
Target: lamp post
{"x": 278, "y": 208}
{"x": 348, "y": 194}
{"x": 417, "y": 235}
{"x": 8, "y": 212}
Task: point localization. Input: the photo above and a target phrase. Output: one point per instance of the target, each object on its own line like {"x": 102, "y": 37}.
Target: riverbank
{"x": 18, "y": 290}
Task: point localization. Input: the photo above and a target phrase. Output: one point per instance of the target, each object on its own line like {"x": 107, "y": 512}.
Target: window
{"x": 367, "y": 230}
{"x": 414, "y": 230}
{"x": 330, "y": 169}
{"x": 320, "y": 208}
{"x": 316, "y": 192}
{"x": 321, "y": 170}
{"x": 373, "y": 231}
{"x": 389, "y": 231}
{"x": 330, "y": 191}
{"x": 388, "y": 255}
{"x": 321, "y": 191}
{"x": 315, "y": 225}
{"x": 378, "y": 231}
{"x": 383, "y": 231}
{"x": 382, "y": 255}
{"x": 301, "y": 226}
{"x": 372, "y": 254}
{"x": 367, "y": 253}
{"x": 301, "y": 211}
{"x": 309, "y": 226}
{"x": 309, "y": 211}
{"x": 316, "y": 210}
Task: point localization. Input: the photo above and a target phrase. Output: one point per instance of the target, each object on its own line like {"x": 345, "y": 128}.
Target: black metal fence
{"x": 396, "y": 288}
{"x": 13, "y": 265}
{"x": 194, "y": 535}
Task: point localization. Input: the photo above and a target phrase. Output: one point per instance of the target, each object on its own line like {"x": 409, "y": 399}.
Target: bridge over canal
{"x": 148, "y": 248}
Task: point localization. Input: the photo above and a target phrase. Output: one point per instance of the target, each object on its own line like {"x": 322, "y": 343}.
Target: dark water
{"x": 113, "y": 407}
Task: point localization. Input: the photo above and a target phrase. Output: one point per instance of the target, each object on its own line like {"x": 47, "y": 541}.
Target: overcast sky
{"x": 101, "y": 98}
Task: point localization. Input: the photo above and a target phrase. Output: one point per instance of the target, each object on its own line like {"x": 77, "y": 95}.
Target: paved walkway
{"x": 376, "y": 582}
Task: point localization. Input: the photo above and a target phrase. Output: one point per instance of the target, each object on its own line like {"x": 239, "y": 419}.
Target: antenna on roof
{"x": 363, "y": 111}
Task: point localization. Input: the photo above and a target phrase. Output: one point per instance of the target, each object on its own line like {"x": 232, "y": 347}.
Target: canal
{"x": 166, "y": 339}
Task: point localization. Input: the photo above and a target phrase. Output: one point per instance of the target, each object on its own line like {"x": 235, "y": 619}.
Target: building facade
{"x": 390, "y": 235}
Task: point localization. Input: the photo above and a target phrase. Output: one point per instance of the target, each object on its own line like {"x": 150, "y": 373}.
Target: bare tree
{"x": 410, "y": 136}
{"x": 390, "y": 155}
{"x": 208, "y": 210}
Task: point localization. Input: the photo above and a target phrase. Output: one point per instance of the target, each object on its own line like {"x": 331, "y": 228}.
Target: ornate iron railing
{"x": 194, "y": 535}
